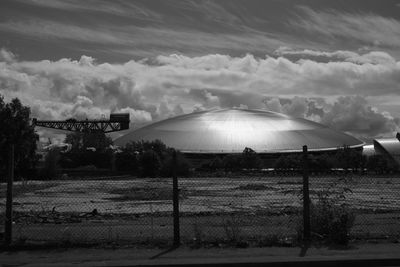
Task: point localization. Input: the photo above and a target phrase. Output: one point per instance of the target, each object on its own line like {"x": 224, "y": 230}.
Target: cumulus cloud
{"x": 351, "y": 114}
{"x": 372, "y": 57}
{"x": 6, "y": 55}
{"x": 166, "y": 86}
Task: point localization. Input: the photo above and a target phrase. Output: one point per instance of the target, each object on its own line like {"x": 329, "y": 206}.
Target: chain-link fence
{"x": 367, "y": 206}
{"x": 260, "y": 209}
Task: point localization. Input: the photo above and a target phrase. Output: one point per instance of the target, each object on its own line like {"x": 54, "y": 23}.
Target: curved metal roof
{"x": 231, "y": 130}
{"x": 389, "y": 147}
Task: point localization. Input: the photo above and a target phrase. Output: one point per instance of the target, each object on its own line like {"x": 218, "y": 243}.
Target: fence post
{"x": 9, "y": 215}
{"x": 175, "y": 199}
{"x": 306, "y": 198}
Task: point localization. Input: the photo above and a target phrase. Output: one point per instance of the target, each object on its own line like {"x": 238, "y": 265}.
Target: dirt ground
{"x": 257, "y": 209}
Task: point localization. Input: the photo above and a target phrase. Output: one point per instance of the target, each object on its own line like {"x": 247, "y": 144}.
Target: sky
{"x": 333, "y": 62}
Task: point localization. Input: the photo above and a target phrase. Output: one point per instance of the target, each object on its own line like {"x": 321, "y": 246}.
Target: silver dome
{"x": 231, "y": 130}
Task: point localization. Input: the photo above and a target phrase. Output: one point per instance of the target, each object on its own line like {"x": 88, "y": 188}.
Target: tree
{"x": 320, "y": 163}
{"x": 215, "y": 164}
{"x": 348, "y": 159}
{"x": 81, "y": 141}
{"x": 182, "y": 167}
{"x": 250, "y": 159}
{"x": 291, "y": 162}
{"x": 16, "y": 129}
{"x": 150, "y": 163}
{"x": 150, "y": 159}
{"x": 381, "y": 164}
{"x": 231, "y": 162}
{"x": 88, "y": 148}
{"x": 127, "y": 160}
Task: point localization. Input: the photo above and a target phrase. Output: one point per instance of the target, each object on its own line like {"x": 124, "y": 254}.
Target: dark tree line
{"x": 247, "y": 160}
{"x": 16, "y": 129}
{"x": 88, "y": 149}
{"x": 150, "y": 159}
{"x": 344, "y": 159}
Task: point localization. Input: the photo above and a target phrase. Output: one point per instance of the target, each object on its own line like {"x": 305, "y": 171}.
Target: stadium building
{"x": 203, "y": 135}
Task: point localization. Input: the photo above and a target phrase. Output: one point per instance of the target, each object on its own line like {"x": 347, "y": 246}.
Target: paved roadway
{"x": 383, "y": 254}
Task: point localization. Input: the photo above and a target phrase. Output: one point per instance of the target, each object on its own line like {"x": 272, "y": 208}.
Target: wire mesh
{"x": 242, "y": 209}
{"x": 371, "y": 202}
{"x": 116, "y": 209}
{"x": 248, "y": 209}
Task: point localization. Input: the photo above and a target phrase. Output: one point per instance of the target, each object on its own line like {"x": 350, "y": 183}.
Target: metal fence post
{"x": 9, "y": 215}
{"x": 175, "y": 199}
{"x": 306, "y": 198}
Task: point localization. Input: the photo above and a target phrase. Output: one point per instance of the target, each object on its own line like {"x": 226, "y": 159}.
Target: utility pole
{"x": 9, "y": 213}
{"x": 306, "y": 199}
{"x": 175, "y": 200}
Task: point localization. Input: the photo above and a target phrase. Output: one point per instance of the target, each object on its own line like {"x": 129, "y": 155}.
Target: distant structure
{"x": 117, "y": 122}
{"x": 228, "y": 131}
{"x": 231, "y": 130}
{"x": 389, "y": 147}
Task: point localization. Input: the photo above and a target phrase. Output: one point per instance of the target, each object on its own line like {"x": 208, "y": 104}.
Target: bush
{"x": 183, "y": 167}
{"x": 127, "y": 161}
{"x": 289, "y": 163}
{"x": 215, "y": 164}
{"x": 250, "y": 159}
{"x": 381, "y": 164}
{"x": 320, "y": 163}
{"x": 331, "y": 220}
{"x": 231, "y": 162}
{"x": 150, "y": 159}
{"x": 149, "y": 163}
{"x": 348, "y": 158}
{"x": 51, "y": 168}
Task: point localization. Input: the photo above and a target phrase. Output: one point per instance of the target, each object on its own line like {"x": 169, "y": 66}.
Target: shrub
{"x": 250, "y": 159}
{"x": 290, "y": 162}
{"x": 380, "y": 164}
{"x": 150, "y": 164}
{"x": 127, "y": 161}
{"x": 51, "y": 168}
{"x": 215, "y": 164}
{"x": 331, "y": 220}
{"x": 183, "y": 166}
{"x": 150, "y": 159}
{"x": 320, "y": 163}
{"x": 231, "y": 162}
{"x": 233, "y": 229}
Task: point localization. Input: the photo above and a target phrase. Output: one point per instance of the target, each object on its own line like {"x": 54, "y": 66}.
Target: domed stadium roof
{"x": 231, "y": 130}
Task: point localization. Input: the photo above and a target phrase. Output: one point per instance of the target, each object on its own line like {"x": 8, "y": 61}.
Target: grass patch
{"x": 143, "y": 193}
{"x": 26, "y": 187}
{"x": 290, "y": 182}
{"x": 255, "y": 187}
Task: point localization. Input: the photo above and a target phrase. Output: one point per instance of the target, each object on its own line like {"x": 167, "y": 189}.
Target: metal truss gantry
{"x": 117, "y": 122}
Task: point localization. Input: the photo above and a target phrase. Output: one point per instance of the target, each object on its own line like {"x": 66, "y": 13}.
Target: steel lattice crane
{"x": 117, "y": 122}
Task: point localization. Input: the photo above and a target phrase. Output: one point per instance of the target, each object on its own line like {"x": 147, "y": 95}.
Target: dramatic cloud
{"x": 373, "y": 57}
{"x": 154, "y": 89}
{"x": 351, "y": 114}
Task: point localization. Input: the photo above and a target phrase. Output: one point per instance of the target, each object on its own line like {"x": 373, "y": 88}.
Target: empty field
{"x": 134, "y": 209}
